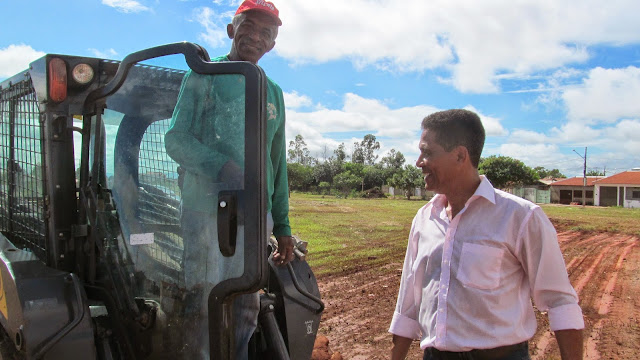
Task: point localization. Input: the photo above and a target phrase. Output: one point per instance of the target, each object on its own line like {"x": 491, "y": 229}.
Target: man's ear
{"x": 462, "y": 154}
{"x": 230, "y": 31}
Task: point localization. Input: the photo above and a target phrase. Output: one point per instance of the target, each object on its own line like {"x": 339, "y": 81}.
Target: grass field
{"x": 346, "y": 235}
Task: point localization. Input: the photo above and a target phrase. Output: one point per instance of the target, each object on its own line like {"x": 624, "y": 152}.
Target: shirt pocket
{"x": 480, "y": 266}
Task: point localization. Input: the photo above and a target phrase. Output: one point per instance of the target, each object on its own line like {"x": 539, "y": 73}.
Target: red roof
{"x": 623, "y": 178}
{"x": 577, "y": 181}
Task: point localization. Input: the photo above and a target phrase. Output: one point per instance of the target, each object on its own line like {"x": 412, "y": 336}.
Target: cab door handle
{"x": 227, "y": 222}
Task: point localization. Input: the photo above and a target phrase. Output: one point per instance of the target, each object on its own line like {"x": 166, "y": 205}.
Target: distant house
{"x": 567, "y": 191}
{"x": 621, "y": 189}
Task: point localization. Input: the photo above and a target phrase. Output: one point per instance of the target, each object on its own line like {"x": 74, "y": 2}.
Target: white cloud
{"x": 394, "y": 128}
{"x": 293, "y": 101}
{"x": 106, "y": 54}
{"x": 623, "y": 137}
{"x": 605, "y": 95}
{"x": 532, "y": 155}
{"x": 524, "y": 137}
{"x": 126, "y": 6}
{"x": 477, "y": 42}
{"x": 215, "y": 25}
{"x": 492, "y": 126}
{"x": 15, "y": 58}
{"x": 399, "y": 128}
{"x": 608, "y": 146}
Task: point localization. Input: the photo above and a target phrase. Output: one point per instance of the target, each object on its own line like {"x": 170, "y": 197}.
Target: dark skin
{"x": 453, "y": 174}
{"x": 254, "y": 34}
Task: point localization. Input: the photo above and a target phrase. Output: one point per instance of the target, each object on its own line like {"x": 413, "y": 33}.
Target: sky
{"x": 549, "y": 78}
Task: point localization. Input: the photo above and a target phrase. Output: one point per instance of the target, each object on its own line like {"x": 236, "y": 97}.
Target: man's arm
{"x": 400, "y": 347}
{"x": 405, "y": 326}
{"x": 280, "y": 198}
{"x": 570, "y": 343}
{"x": 190, "y": 117}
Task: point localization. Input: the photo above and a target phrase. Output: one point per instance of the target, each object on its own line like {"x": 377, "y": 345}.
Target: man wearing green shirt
{"x": 206, "y": 138}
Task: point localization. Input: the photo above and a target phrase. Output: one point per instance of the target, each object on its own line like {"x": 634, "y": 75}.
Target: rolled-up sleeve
{"x": 542, "y": 259}
{"x": 405, "y": 317}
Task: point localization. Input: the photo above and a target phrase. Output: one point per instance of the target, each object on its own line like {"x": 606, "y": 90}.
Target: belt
{"x": 499, "y": 353}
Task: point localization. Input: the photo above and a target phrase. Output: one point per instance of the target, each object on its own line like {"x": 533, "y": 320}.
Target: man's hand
{"x": 284, "y": 252}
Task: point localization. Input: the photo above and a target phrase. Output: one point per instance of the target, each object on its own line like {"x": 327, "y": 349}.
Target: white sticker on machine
{"x": 141, "y": 239}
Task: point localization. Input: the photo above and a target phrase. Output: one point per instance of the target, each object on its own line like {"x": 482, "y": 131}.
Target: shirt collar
{"x": 485, "y": 190}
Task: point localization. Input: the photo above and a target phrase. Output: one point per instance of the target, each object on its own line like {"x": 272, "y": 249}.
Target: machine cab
{"x": 105, "y": 177}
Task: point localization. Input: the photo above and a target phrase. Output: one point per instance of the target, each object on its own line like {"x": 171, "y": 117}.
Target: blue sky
{"x": 546, "y": 77}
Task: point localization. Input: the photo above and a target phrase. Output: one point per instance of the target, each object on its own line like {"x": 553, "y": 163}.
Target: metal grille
{"x": 159, "y": 198}
{"x": 158, "y": 175}
{"x": 22, "y": 184}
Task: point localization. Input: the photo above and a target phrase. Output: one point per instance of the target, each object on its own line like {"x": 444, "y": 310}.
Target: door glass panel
{"x": 175, "y": 163}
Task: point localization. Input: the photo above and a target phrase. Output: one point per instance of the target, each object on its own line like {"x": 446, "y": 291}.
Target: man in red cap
{"x": 253, "y": 31}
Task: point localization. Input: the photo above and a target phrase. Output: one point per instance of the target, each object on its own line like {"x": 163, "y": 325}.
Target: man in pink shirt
{"x": 475, "y": 259}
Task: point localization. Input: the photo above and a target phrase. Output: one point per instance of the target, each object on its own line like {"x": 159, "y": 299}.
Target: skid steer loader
{"x": 91, "y": 243}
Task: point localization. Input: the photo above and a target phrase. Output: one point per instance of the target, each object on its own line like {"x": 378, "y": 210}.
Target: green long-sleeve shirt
{"x": 207, "y": 131}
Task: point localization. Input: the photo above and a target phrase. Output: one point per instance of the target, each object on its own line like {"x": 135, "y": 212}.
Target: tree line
{"x": 361, "y": 174}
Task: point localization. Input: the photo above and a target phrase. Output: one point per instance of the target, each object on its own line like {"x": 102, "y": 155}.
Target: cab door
{"x": 183, "y": 154}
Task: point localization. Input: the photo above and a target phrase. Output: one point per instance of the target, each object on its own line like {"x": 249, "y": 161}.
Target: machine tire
{"x": 8, "y": 349}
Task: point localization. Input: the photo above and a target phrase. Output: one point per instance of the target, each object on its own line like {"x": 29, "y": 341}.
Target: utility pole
{"x": 584, "y": 175}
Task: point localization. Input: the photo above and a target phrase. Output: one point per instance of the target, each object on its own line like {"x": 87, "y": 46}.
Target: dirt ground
{"x": 604, "y": 269}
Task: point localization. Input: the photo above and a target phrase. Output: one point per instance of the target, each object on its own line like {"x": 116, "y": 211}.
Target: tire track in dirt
{"x": 543, "y": 342}
{"x": 590, "y": 272}
{"x": 359, "y": 305}
{"x": 605, "y": 303}
{"x": 619, "y": 336}
{"x": 358, "y": 312}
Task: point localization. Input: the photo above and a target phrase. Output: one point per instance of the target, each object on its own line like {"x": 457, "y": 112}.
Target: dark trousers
{"x": 510, "y": 352}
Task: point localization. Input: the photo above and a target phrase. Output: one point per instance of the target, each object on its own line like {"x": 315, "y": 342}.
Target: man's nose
{"x": 254, "y": 36}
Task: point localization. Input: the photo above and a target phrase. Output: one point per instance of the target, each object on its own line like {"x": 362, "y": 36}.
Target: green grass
{"x": 594, "y": 218}
{"x": 347, "y": 235}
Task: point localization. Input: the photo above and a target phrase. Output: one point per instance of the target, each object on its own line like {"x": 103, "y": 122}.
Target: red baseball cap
{"x": 266, "y": 7}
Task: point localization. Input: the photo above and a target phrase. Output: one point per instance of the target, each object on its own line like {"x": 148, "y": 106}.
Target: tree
{"x": 324, "y": 187}
{"x": 392, "y": 163}
{"x": 546, "y": 173}
{"x": 346, "y": 181}
{"x": 594, "y": 172}
{"x": 356, "y": 169}
{"x": 298, "y": 151}
{"x": 504, "y": 171}
{"x": 327, "y": 170}
{"x": 369, "y": 146}
{"x": 395, "y": 160}
{"x": 372, "y": 176}
{"x": 358, "y": 154}
{"x": 407, "y": 180}
{"x": 364, "y": 152}
{"x": 340, "y": 153}
{"x": 300, "y": 176}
